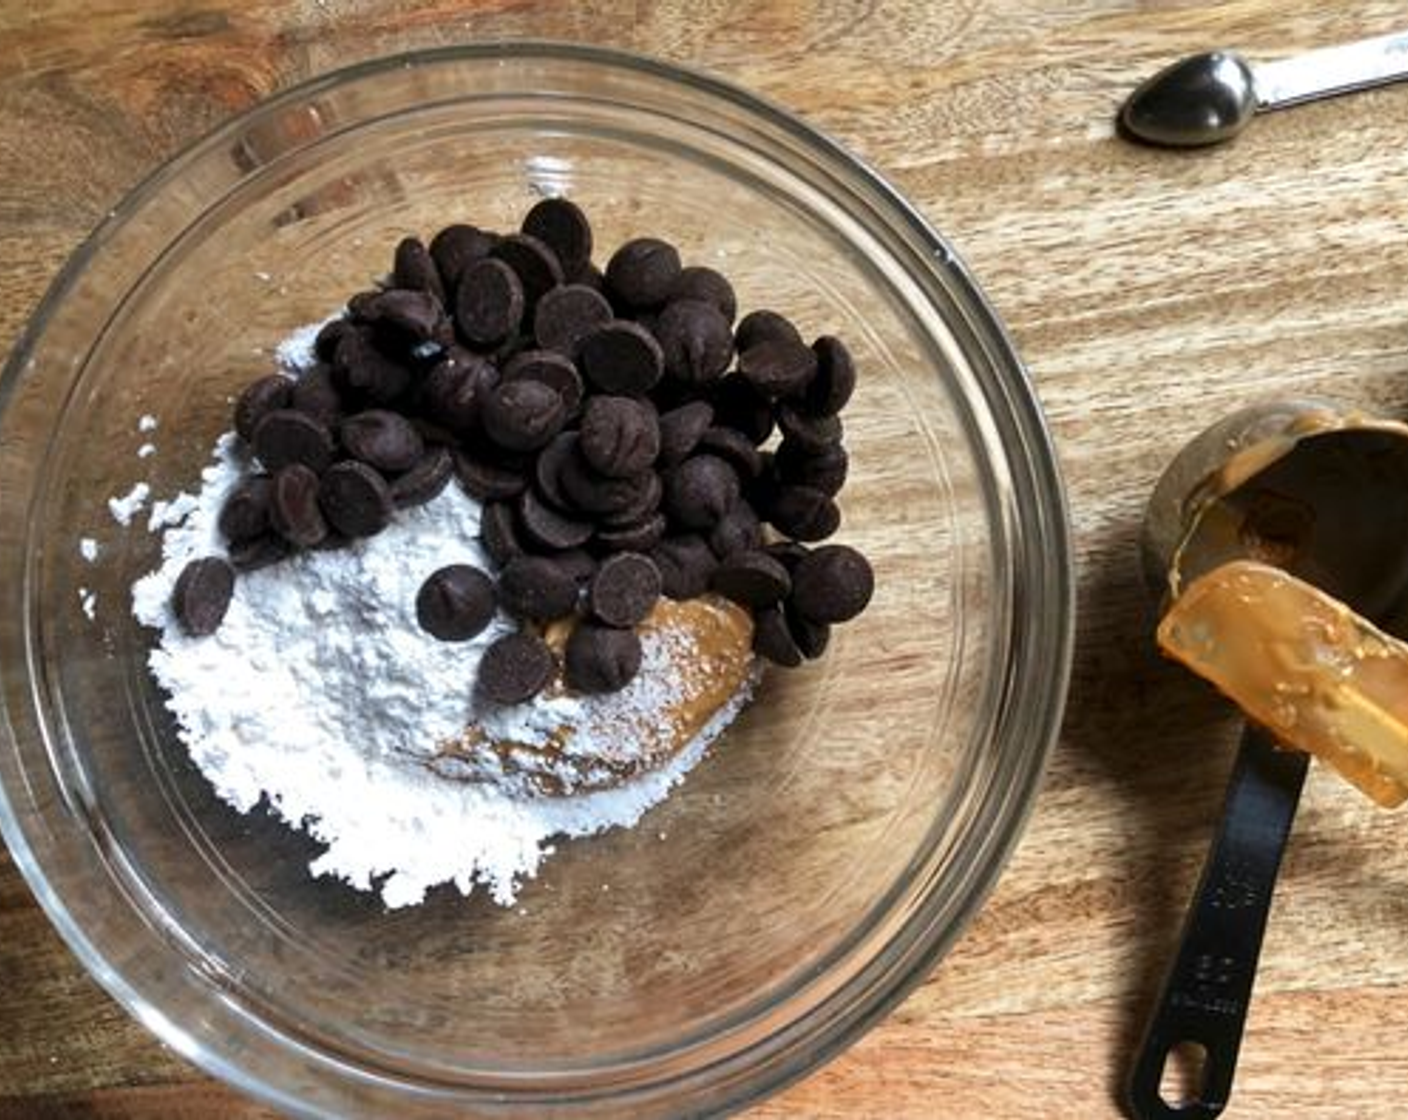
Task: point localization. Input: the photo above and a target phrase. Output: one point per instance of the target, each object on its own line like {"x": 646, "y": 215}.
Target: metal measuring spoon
{"x": 1322, "y": 492}
{"x": 1207, "y": 98}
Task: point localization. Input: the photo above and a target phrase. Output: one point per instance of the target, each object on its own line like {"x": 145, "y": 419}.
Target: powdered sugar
{"x": 321, "y": 694}
{"x": 125, "y": 508}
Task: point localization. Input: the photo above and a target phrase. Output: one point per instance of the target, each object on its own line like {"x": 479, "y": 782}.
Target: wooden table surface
{"x": 1147, "y": 291}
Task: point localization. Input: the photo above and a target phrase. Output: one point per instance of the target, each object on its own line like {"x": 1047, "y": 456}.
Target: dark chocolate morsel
{"x": 496, "y": 530}
{"x": 600, "y": 658}
{"x": 734, "y": 448}
{"x": 753, "y": 579}
{"x": 425, "y": 480}
{"x": 624, "y": 589}
{"x": 823, "y": 470}
{"x": 812, "y": 434}
{"x": 487, "y": 481}
{"x": 315, "y": 394}
{"x": 835, "y": 379}
{"x": 739, "y": 530}
{"x": 638, "y": 536}
{"x": 708, "y": 286}
{"x": 833, "y": 583}
{"x": 258, "y": 552}
{"x": 700, "y": 491}
{"x": 202, "y": 595}
{"x": 561, "y": 225}
{"x": 489, "y": 302}
{"x": 455, "y": 603}
{"x": 686, "y": 562}
{"x": 522, "y": 415}
{"x": 245, "y": 514}
{"x": 453, "y": 391}
{"x": 804, "y": 514}
{"x": 546, "y": 527}
{"x": 641, "y": 272}
{"x": 777, "y": 368}
{"x": 567, "y": 314}
{"x": 457, "y": 247}
{"x": 537, "y": 589}
{"x": 554, "y": 370}
{"x": 535, "y": 263}
{"x": 355, "y": 499}
{"x": 681, "y": 429}
{"x": 258, "y": 399}
{"x": 620, "y": 436}
{"x": 764, "y": 326}
{"x": 382, "y": 439}
{"x": 773, "y": 638}
{"x": 811, "y": 637}
{"x": 285, "y": 436}
{"x": 696, "y": 341}
{"x": 738, "y": 405}
{"x": 293, "y": 506}
{"x": 414, "y": 268}
{"x": 622, "y": 358}
{"x": 514, "y": 668}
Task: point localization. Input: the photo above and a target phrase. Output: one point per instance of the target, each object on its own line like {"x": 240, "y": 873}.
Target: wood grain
{"x": 1148, "y": 293}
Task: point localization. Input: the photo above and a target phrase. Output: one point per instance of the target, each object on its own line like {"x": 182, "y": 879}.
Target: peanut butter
{"x": 1319, "y": 676}
{"x": 698, "y": 658}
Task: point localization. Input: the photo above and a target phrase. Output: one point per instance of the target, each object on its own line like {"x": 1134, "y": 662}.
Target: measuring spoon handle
{"x": 1205, "y": 997}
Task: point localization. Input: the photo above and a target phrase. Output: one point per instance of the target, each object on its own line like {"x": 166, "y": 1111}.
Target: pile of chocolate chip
{"x": 595, "y": 417}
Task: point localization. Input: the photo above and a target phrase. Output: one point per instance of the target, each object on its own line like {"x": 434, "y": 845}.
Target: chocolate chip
{"x": 707, "y": 285}
{"x": 696, "y": 341}
{"x": 425, "y": 480}
{"x": 489, "y": 302}
{"x": 835, "y": 380}
{"x": 405, "y": 316}
{"x": 601, "y": 659}
{"x": 773, "y": 638}
{"x": 455, "y": 603}
{"x": 561, "y": 225}
{"x": 293, "y": 506}
{"x": 522, "y": 415}
{"x": 285, "y": 436}
{"x": 258, "y": 552}
{"x": 414, "y": 268}
{"x": 457, "y": 247}
{"x": 589, "y": 277}
{"x": 754, "y": 579}
{"x": 764, "y": 326}
{"x": 641, "y": 272}
{"x": 453, "y": 391}
{"x": 787, "y": 552}
{"x": 700, "y": 491}
{"x": 331, "y": 332}
{"x": 486, "y": 481}
{"x": 381, "y": 439}
{"x": 739, "y": 406}
{"x": 360, "y": 367}
{"x": 639, "y": 536}
{"x": 536, "y": 264}
{"x": 620, "y": 436}
{"x": 811, "y": 637}
{"x": 245, "y": 514}
{"x": 832, "y": 584}
{"x": 514, "y": 668}
{"x": 577, "y": 563}
{"x": 777, "y": 368}
{"x": 202, "y": 595}
{"x": 596, "y": 494}
{"x": 258, "y": 399}
{"x": 622, "y": 358}
{"x": 680, "y": 429}
{"x": 355, "y": 499}
{"x": 739, "y": 530}
{"x": 686, "y": 563}
{"x": 566, "y": 315}
{"x": 548, "y": 467}
{"x": 496, "y": 530}
{"x": 734, "y": 448}
{"x": 536, "y": 589}
{"x": 624, "y": 589}
{"x": 812, "y": 434}
{"x": 315, "y": 395}
{"x": 554, "y": 370}
{"x": 823, "y": 470}
{"x": 546, "y": 527}
{"x": 645, "y": 499}
{"x": 803, "y": 513}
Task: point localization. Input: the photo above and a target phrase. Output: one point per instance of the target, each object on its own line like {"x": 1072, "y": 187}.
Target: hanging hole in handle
{"x": 1185, "y": 1074}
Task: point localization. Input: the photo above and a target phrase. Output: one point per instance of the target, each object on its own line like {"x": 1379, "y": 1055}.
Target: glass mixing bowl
{"x": 800, "y": 881}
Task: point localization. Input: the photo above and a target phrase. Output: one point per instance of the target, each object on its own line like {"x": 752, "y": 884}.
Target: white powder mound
{"x": 320, "y": 693}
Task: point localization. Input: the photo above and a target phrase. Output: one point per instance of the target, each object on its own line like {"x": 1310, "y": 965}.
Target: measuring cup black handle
{"x": 1205, "y": 997}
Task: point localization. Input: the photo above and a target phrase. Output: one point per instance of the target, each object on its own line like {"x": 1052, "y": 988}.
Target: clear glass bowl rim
{"x": 1042, "y": 641}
